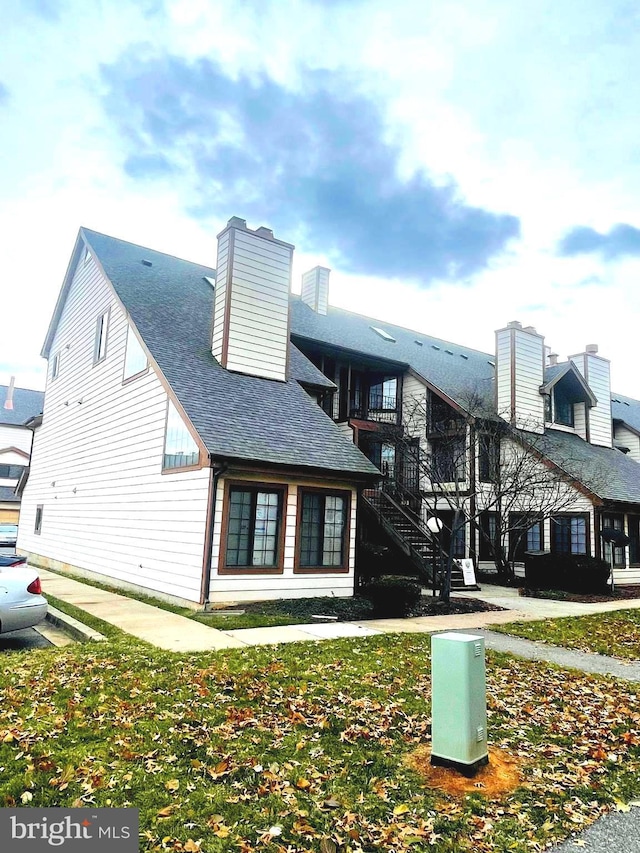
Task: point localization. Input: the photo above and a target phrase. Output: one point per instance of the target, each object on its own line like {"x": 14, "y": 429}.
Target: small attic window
{"x": 210, "y": 280}
{"x": 385, "y": 335}
{"x": 146, "y": 262}
{"x": 86, "y": 257}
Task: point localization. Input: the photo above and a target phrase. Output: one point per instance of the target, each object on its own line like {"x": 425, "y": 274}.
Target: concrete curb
{"x": 72, "y": 626}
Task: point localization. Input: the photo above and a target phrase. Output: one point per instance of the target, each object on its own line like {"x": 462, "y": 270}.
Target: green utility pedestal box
{"x": 458, "y": 702}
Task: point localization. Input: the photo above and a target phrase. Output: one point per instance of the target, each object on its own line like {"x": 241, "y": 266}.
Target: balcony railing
{"x": 380, "y": 409}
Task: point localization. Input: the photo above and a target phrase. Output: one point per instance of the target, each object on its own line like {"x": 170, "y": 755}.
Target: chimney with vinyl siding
{"x": 251, "y": 310}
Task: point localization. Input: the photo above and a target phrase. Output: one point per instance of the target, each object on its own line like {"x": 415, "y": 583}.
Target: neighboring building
{"x": 208, "y": 436}
{"x": 17, "y": 407}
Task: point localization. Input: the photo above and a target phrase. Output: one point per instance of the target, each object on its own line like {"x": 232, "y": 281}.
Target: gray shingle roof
{"x": 7, "y": 495}
{"x": 461, "y": 373}
{"x": 26, "y": 404}
{"x": 626, "y": 409}
{"x": 605, "y": 471}
{"x": 238, "y": 417}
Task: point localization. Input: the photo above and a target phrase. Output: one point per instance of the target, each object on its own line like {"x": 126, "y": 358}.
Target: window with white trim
{"x": 55, "y": 366}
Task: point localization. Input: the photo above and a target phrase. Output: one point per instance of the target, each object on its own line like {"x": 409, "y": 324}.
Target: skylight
{"x": 384, "y": 335}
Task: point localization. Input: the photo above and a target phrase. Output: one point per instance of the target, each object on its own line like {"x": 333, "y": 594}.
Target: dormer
{"x": 567, "y": 398}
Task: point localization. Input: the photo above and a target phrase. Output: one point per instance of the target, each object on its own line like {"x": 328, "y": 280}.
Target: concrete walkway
{"x": 151, "y": 624}
{"x": 177, "y": 633}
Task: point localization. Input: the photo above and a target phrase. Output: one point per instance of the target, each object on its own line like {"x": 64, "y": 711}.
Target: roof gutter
{"x": 205, "y": 585}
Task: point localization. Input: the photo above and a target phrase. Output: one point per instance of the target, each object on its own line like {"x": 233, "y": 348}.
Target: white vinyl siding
{"x": 626, "y": 438}
{"x": 315, "y": 289}
{"x": 520, "y": 360}
{"x": 258, "y": 314}
{"x": 228, "y": 587}
{"x": 97, "y": 464}
{"x": 596, "y": 371}
{"x": 15, "y": 436}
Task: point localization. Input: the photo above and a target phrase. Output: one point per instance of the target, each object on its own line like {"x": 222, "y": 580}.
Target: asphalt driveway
{"x": 28, "y": 638}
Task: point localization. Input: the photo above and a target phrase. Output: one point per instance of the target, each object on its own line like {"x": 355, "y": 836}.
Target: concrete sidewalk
{"x": 178, "y": 633}
{"x": 151, "y": 624}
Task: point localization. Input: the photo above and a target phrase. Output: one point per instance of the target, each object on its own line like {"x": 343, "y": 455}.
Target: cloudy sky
{"x": 457, "y": 164}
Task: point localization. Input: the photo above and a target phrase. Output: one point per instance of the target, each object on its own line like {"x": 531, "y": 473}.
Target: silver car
{"x": 22, "y": 604}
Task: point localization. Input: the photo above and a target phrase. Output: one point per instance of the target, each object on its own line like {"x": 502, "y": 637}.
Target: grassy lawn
{"x": 304, "y": 747}
{"x": 616, "y": 633}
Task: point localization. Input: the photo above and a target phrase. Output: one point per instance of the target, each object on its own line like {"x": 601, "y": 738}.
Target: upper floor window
{"x": 135, "y": 361}
{"x": 448, "y": 459}
{"x": 441, "y": 416}
{"x": 11, "y": 472}
{"x": 383, "y": 394}
{"x": 488, "y": 458}
{"x": 100, "y": 345}
{"x": 55, "y": 366}
{"x": 180, "y": 448}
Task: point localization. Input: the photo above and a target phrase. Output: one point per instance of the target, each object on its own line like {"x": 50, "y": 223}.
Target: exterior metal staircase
{"x": 407, "y": 532}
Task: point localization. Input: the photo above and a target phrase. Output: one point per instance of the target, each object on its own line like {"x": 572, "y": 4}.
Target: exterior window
{"x": 100, "y": 346}
{"x": 38, "y": 524}
{"x": 254, "y": 527}
{"x": 521, "y": 540}
{"x": 634, "y": 544}
{"x": 454, "y": 543}
{"x": 135, "y": 361}
{"x": 323, "y": 526}
{"x": 55, "y": 366}
{"x": 488, "y": 458}
{"x": 617, "y": 523}
{"x": 383, "y": 456}
{"x": 11, "y": 472}
{"x": 383, "y": 395}
{"x": 569, "y": 534}
{"x": 563, "y": 408}
{"x": 180, "y": 449}
{"x": 488, "y": 535}
{"x": 448, "y": 459}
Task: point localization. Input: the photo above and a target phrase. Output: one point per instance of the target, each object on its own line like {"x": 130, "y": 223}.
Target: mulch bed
{"x": 621, "y": 594}
{"x": 357, "y": 608}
